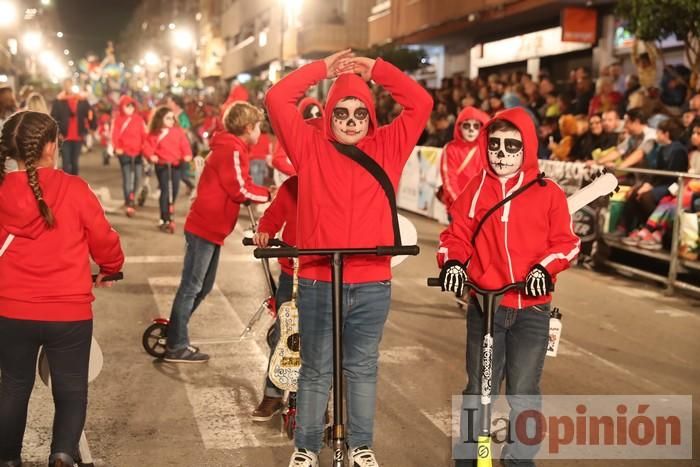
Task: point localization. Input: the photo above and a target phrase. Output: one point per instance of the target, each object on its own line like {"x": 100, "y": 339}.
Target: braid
{"x": 33, "y": 178}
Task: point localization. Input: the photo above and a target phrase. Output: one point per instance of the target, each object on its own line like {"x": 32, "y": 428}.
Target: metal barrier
{"x": 676, "y": 264}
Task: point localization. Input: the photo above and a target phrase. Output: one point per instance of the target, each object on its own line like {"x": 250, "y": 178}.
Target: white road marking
{"x": 224, "y": 392}
{"x": 242, "y": 258}
{"x": 635, "y": 292}
{"x": 676, "y": 313}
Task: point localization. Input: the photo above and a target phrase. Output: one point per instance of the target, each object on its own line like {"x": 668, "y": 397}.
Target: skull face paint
{"x": 350, "y": 121}
{"x": 505, "y": 148}
{"x": 470, "y": 129}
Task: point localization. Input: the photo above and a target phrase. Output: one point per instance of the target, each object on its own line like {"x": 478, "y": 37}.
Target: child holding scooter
{"x": 167, "y": 147}
{"x": 128, "y": 137}
{"x": 508, "y": 225}
{"x": 224, "y": 185}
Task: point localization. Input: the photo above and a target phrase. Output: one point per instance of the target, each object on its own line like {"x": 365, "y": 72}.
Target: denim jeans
{"x": 258, "y": 171}
{"x": 198, "y": 275}
{"x": 70, "y": 152}
{"x": 519, "y": 348}
{"x": 284, "y": 294}
{"x": 164, "y": 172}
{"x": 67, "y": 348}
{"x": 132, "y": 171}
{"x": 365, "y": 310}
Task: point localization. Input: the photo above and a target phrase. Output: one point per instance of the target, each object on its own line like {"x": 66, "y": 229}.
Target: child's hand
{"x": 154, "y": 159}
{"x": 119, "y": 152}
{"x": 453, "y": 277}
{"x": 261, "y": 239}
{"x": 188, "y": 158}
{"x": 360, "y": 65}
{"x": 336, "y": 63}
{"x": 538, "y": 282}
{"x": 100, "y": 284}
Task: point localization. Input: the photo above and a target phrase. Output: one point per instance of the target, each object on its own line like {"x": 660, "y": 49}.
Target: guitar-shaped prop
{"x": 286, "y": 360}
{"x": 602, "y": 185}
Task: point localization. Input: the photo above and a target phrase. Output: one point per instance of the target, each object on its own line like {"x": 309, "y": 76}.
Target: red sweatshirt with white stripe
{"x": 225, "y": 184}
{"x": 533, "y": 228}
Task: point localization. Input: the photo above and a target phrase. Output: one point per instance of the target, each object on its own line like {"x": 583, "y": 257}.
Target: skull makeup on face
{"x": 505, "y": 148}
{"x": 350, "y": 121}
{"x": 470, "y": 129}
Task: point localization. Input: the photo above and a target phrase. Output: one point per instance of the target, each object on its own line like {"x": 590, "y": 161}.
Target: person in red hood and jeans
{"x": 128, "y": 138}
{"x": 312, "y": 111}
{"x": 528, "y": 238}
{"x": 460, "y": 160}
{"x": 341, "y": 204}
{"x": 75, "y": 119}
{"x": 224, "y": 185}
{"x": 51, "y": 224}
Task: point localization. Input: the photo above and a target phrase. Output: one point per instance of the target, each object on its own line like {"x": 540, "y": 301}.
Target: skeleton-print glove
{"x": 538, "y": 282}
{"x": 453, "y": 277}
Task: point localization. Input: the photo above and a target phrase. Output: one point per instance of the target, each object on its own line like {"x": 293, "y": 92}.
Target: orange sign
{"x": 579, "y": 25}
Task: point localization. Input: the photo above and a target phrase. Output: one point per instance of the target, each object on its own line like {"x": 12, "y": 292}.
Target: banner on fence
{"x": 420, "y": 179}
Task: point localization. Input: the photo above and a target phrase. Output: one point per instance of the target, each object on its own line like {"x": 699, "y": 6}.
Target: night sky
{"x": 89, "y": 24}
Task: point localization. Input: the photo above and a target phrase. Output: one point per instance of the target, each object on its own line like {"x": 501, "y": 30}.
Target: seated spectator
{"x": 440, "y": 130}
{"x": 669, "y": 155}
{"x": 551, "y": 105}
{"x": 593, "y": 141}
{"x": 495, "y": 103}
{"x": 639, "y": 141}
{"x": 688, "y": 119}
{"x": 582, "y": 98}
{"x": 613, "y": 124}
{"x": 673, "y": 87}
{"x": 632, "y": 89}
{"x": 606, "y": 97}
{"x": 568, "y": 128}
{"x": 548, "y": 132}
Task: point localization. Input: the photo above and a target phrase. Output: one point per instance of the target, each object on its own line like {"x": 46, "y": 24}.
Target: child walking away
{"x": 508, "y": 225}
{"x": 51, "y": 224}
{"x": 167, "y": 147}
{"x": 461, "y": 160}
{"x": 341, "y": 203}
{"x": 282, "y": 213}
{"x": 128, "y": 137}
{"x": 224, "y": 185}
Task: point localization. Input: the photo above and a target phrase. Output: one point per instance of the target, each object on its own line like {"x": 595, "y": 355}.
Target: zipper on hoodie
{"x": 505, "y": 226}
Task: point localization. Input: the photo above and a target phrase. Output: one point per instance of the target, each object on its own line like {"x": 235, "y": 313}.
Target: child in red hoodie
{"x": 342, "y": 204}
{"x": 460, "y": 160}
{"x": 312, "y": 111}
{"x": 528, "y": 238}
{"x": 225, "y": 184}
{"x": 128, "y": 137}
{"x": 51, "y": 224}
{"x": 167, "y": 147}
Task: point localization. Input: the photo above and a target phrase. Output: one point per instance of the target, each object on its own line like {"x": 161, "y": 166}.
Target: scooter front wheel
{"x": 155, "y": 338}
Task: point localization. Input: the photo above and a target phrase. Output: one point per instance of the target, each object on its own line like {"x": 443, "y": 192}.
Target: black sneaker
{"x": 187, "y": 355}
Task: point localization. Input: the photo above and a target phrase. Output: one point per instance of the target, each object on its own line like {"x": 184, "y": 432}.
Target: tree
{"x": 654, "y": 20}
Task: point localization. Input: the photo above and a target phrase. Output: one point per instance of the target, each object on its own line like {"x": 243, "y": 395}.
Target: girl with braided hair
{"x": 50, "y": 225}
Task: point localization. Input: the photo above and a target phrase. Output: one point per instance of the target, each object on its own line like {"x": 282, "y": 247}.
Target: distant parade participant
{"x": 128, "y": 137}
{"x": 51, "y": 225}
{"x": 341, "y": 203}
{"x": 460, "y": 160}
{"x": 495, "y": 241}
{"x": 224, "y": 185}
{"x": 75, "y": 119}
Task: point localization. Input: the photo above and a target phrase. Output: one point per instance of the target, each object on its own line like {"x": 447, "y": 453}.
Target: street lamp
{"x": 151, "y": 58}
{"x": 183, "y": 39}
{"x": 31, "y": 41}
{"x": 8, "y": 13}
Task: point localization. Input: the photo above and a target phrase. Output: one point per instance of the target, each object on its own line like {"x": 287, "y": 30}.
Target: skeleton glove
{"x": 538, "y": 282}
{"x": 453, "y": 277}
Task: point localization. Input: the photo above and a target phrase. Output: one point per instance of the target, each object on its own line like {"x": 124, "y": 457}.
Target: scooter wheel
{"x": 270, "y": 335}
{"x": 130, "y": 212}
{"x": 171, "y": 227}
{"x": 154, "y": 339}
{"x": 142, "y": 197}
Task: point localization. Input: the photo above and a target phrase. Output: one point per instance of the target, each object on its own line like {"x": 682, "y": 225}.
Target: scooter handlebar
{"x": 435, "y": 282}
{"x": 247, "y": 241}
{"x": 290, "y": 252}
{"x": 282, "y": 252}
{"x": 409, "y": 250}
{"x": 111, "y": 278}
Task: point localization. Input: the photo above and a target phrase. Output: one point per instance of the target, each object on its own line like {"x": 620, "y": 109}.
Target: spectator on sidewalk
{"x": 74, "y": 116}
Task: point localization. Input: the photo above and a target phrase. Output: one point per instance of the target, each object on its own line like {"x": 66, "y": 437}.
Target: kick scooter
{"x": 336, "y": 257}
{"x": 489, "y": 301}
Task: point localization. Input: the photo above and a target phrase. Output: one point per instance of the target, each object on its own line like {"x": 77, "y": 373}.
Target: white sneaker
{"x": 303, "y": 458}
{"x": 363, "y": 457}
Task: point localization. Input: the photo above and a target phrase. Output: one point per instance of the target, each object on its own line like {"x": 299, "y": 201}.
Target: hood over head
{"x": 468, "y": 113}
{"x": 223, "y": 140}
{"x": 19, "y": 210}
{"x": 349, "y": 85}
{"x": 237, "y": 93}
{"x": 522, "y": 121}
{"x": 124, "y": 101}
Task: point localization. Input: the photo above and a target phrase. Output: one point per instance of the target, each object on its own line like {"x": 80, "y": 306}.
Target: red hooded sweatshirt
{"x": 280, "y": 160}
{"x": 45, "y": 272}
{"x": 128, "y": 132}
{"x": 283, "y": 212}
{"x": 533, "y": 228}
{"x": 341, "y": 205}
{"x": 461, "y": 160}
{"x": 225, "y": 184}
{"x": 170, "y": 145}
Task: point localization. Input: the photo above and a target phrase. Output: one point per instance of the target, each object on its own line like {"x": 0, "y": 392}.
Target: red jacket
{"x": 237, "y": 93}
{"x": 535, "y": 227}
{"x": 283, "y": 212}
{"x": 340, "y": 203}
{"x": 460, "y": 160}
{"x": 169, "y": 145}
{"x": 45, "y": 272}
{"x": 280, "y": 160}
{"x": 128, "y": 132}
{"x": 225, "y": 184}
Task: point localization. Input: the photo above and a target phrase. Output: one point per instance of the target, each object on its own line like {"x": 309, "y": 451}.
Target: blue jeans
{"x": 365, "y": 310}
{"x": 284, "y": 294}
{"x": 168, "y": 178}
{"x": 258, "y": 171}
{"x": 519, "y": 348}
{"x": 70, "y": 151}
{"x": 198, "y": 275}
{"x": 131, "y": 179}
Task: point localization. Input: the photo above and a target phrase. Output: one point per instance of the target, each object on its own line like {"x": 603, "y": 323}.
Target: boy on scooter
{"x": 508, "y": 225}
{"x": 224, "y": 185}
{"x": 340, "y": 203}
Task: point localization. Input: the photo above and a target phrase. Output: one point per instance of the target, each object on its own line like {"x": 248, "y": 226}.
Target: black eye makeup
{"x": 341, "y": 113}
